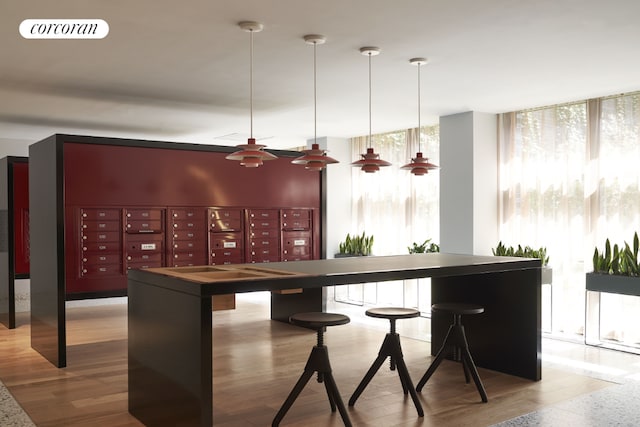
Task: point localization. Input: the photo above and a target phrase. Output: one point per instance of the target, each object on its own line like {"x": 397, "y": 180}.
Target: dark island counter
{"x": 170, "y": 330}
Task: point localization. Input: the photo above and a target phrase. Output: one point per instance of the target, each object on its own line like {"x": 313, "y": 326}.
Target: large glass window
{"x": 395, "y": 206}
{"x": 398, "y": 209}
{"x": 569, "y": 179}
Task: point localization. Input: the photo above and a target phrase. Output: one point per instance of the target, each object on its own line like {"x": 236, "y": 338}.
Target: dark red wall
{"x": 116, "y": 175}
{"x": 21, "y": 217}
{"x": 129, "y": 175}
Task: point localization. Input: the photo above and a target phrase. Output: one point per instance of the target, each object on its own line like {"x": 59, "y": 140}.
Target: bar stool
{"x": 390, "y": 348}
{"x": 318, "y": 362}
{"x": 457, "y": 340}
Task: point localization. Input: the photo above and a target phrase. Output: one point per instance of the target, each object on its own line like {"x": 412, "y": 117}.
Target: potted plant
{"x": 356, "y": 245}
{"x": 426, "y": 247}
{"x": 616, "y": 271}
{"x": 527, "y": 252}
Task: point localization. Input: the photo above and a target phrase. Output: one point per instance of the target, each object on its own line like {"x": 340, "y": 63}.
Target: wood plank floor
{"x": 256, "y": 363}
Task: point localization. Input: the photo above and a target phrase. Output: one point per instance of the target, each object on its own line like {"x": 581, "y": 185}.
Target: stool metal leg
{"x": 332, "y": 403}
{"x": 304, "y": 379}
{"x": 367, "y": 378}
{"x": 318, "y": 362}
{"x": 405, "y": 379}
{"x": 465, "y": 368}
{"x": 390, "y": 348}
{"x": 331, "y": 385}
{"x": 436, "y": 362}
{"x": 471, "y": 367}
{"x": 457, "y": 339}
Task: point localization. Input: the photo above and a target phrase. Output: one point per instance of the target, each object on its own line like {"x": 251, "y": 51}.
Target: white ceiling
{"x": 179, "y": 71}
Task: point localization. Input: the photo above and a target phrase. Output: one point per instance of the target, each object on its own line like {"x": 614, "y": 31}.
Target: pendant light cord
{"x": 251, "y": 82}
{"x": 370, "y": 145}
{"x": 315, "y": 97}
{"x": 419, "y": 128}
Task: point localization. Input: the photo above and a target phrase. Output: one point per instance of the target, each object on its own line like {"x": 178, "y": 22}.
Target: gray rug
{"x": 11, "y": 413}
{"x": 613, "y": 406}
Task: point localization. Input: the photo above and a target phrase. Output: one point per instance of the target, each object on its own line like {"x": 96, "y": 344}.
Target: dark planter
{"x": 346, "y": 255}
{"x": 613, "y": 284}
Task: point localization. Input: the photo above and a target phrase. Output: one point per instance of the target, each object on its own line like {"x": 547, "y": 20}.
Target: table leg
{"x": 507, "y": 337}
{"x": 170, "y": 357}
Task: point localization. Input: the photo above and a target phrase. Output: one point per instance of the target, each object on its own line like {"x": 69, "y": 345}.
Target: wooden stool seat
{"x": 455, "y": 308}
{"x": 318, "y": 362}
{"x": 392, "y": 312}
{"x": 317, "y": 320}
{"x": 457, "y": 341}
{"x": 391, "y": 348}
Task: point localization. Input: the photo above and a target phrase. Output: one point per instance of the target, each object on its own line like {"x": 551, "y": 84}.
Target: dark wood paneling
{"x": 504, "y": 337}
{"x": 160, "y": 319}
{"x": 48, "y": 333}
{"x": 285, "y": 304}
{"x": 7, "y": 297}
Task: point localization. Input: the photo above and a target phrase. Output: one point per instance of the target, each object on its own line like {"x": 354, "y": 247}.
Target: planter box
{"x": 346, "y": 255}
{"x": 613, "y": 284}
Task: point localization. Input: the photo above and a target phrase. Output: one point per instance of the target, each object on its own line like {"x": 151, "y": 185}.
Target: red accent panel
{"x": 136, "y": 176}
{"x": 132, "y": 179}
{"x": 21, "y": 216}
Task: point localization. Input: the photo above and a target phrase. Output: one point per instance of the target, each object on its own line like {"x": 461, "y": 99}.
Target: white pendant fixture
{"x": 251, "y": 155}
{"x": 419, "y": 165}
{"x": 371, "y": 161}
{"x": 314, "y": 159}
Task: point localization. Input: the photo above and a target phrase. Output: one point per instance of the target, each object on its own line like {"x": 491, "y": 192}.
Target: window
{"x": 397, "y": 208}
{"x": 392, "y": 204}
{"x": 569, "y": 179}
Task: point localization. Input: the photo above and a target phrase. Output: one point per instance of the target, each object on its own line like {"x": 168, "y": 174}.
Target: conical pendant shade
{"x": 371, "y": 161}
{"x": 419, "y": 165}
{"x": 314, "y": 159}
{"x": 250, "y": 155}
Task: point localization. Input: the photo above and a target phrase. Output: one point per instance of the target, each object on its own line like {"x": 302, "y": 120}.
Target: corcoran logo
{"x": 64, "y": 29}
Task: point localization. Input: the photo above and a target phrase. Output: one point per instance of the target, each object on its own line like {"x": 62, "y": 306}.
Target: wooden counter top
{"x": 216, "y": 280}
{"x": 227, "y": 273}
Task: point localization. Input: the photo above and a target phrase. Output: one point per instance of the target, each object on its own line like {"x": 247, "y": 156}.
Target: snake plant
{"x": 619, "y": 261}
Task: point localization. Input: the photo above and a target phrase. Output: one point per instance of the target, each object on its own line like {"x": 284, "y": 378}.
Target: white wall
{"x": 456, "y": 183}
{"x": 14, "y": 147}
{"x": 468, "y": 183}
{"x": 485, "y": 183}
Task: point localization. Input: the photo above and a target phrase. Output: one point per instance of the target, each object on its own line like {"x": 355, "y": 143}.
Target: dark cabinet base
{"x": 283, "y": 305}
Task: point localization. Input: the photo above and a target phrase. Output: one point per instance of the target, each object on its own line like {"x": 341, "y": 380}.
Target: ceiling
{"x": 179, "y": 71}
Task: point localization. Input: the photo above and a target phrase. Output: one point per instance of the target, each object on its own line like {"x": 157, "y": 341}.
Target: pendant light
{"x": 370, "y": 162}
{"x": 314, "y": 159}
{"x": 251, "y": 154}
{"x": 419, "y": 165}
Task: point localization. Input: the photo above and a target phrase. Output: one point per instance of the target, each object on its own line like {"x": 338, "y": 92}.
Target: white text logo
{"x": 64, "y": 29}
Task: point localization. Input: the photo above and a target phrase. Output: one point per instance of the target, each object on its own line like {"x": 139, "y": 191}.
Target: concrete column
{"x": 337, "y": 184}
{"x": 468, "y": 183}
